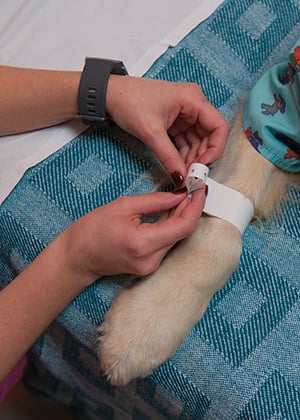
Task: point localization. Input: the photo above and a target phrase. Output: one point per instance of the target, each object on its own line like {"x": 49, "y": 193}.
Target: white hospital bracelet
{"x": 228, "y": 204}
{"x": 196, "y": 177}
{"x": 221, "y": 201}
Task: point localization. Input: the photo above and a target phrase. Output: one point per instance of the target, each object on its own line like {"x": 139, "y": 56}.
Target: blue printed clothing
{"x": 271, "y": 117}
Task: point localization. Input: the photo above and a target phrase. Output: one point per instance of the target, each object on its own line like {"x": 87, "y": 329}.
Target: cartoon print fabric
{"x": 271, "y": 115}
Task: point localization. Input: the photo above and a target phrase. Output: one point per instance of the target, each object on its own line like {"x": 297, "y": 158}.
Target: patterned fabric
{"x": 241, "y": 361}
{"x": 271, "y": 114}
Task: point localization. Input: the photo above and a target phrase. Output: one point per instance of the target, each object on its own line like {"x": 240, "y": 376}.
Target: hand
{"x": 152, "y": 110}
{"x": 112, "y": 240}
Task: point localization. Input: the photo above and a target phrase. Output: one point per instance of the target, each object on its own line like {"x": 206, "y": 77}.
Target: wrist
{"x": 75, "y": 257}
{"x": 116, "y": 90}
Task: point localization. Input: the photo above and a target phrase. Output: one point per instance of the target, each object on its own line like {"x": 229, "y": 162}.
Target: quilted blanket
{"x": 241, "y": 361}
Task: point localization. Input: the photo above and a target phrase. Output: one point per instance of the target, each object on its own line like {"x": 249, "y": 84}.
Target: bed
{"x": 241, "y": 361}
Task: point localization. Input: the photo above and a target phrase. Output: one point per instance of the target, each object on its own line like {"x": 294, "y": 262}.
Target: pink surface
{"x": 11, "y": 380}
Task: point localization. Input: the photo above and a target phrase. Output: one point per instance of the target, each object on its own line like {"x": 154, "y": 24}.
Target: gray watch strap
{"x": 92, "y": 89}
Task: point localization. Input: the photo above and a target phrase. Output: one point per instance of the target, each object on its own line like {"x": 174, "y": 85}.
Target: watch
{"x": 92, "y": 89}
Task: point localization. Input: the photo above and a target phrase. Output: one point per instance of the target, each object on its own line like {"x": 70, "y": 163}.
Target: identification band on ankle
{"x": 221, "y": 201}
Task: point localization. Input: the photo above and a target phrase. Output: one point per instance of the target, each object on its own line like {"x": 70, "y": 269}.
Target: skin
{"x": 150, "y": 110}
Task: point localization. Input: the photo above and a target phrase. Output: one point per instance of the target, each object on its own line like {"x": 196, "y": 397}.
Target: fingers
{"x": 192, "y": 146}
{"x": 217, "y": 130}
{"x": 169, "y": 156}
{"x": 147, "y": 204}
{"x": 190, "y": 210}
{"x": 180, "y": 224}
{"x": 139, "y": 247}
{"x": 202, "y": 139}
{"x": 160, "y": 237}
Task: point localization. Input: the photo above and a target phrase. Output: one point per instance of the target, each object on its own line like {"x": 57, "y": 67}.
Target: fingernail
{"x": 206, "y": 190}
{"x": 177, "y": 178}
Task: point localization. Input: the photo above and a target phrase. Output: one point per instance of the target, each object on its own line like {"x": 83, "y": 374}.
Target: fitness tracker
{"x": 92, "y": 89}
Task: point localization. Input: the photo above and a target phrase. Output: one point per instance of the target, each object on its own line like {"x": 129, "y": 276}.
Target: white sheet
{"x": 59, "y": 34}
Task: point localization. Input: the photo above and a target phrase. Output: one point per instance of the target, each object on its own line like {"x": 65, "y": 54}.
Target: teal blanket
{"x": 241, "y": 361}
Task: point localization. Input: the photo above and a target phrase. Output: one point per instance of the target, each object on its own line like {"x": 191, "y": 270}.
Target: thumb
{"x": 155, "y": 202}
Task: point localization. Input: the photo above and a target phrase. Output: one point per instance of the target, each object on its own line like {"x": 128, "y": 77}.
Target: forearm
{"x": 33, "y": 99}
{"x": 33, "y": 300}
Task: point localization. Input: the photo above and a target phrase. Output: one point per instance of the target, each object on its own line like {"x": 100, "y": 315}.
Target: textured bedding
{"x": 241, "y": 361}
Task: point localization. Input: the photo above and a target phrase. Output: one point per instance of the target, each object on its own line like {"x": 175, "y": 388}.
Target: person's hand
{"x": 152, "y": 110}
{"x": 112, "y": 240}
